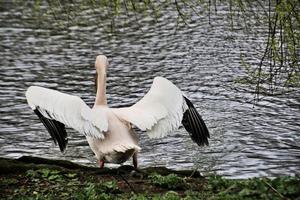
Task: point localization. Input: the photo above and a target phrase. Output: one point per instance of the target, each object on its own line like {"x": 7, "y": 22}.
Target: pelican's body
{"x": 118, "y": 134}
{"x": 109, "y": 130}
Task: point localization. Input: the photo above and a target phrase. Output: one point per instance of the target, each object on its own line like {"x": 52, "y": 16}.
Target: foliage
{"x": 171, "y": 181}
{"x": 279, "y": 65}
{"x": 264, "y": 188}
{"x": 98, "y": 191}
{"x": 53, "y": 184}
{"x": 46, "y": 183}
{"x": 51, "y": 175}
{"x": 171, "y": 195}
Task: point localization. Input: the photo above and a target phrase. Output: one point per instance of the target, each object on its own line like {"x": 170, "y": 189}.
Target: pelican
{"x": 109, "y": 131}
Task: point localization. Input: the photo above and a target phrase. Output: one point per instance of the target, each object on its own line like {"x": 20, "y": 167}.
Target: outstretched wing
{"x": 194, "y": 124}
{"x": 162, "y": 110}
{"x": 56, "y": 109}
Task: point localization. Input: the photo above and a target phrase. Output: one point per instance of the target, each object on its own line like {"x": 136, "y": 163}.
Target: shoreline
{"x": 39, "y": 178}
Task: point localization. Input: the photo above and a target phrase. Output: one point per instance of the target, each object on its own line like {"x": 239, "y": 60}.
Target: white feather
{"x": 69, "y": 110}
{"x": 159, "y": 112}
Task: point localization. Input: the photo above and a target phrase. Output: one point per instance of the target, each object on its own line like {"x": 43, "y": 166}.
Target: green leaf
{"x": 71, "y": 175}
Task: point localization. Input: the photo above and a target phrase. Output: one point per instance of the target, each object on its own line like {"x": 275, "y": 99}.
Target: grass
{"x": 48, "y": 182}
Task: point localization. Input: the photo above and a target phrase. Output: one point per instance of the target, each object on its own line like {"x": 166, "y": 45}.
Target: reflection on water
{"x": 203, "y": 60}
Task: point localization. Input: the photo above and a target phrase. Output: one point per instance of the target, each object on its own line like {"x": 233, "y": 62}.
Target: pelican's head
{"x": 101, "y": 63}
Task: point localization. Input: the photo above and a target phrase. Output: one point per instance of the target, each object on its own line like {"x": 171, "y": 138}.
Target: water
{"x": 203, "y": 60}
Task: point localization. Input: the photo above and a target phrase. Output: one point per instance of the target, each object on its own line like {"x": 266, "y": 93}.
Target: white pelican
{"x": 109, "y": 131}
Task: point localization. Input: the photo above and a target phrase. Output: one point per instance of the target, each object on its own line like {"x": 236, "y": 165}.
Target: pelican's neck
{"x": 101, "y": 89}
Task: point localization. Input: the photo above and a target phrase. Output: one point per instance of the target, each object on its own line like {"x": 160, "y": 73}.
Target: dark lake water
{"x": 202, "y": 59}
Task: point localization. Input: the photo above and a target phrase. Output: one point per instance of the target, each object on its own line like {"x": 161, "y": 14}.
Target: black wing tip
{"x": 56, "y": 130}
{"x": 188, "y": 102}
{"x": 63, "y": 146}
{"x": 194, "y": 124}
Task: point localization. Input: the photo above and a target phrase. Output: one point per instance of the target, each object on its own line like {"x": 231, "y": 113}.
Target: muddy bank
{"x": 39, "y": 178}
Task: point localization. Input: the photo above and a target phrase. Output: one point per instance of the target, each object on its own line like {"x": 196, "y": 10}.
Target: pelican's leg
{"x": 134, "y": 160}
{"x": 101, "y": 163}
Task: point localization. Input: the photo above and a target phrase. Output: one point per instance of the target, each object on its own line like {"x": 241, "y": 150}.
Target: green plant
{"x": 171, "y": 195}
{"x": 103, "y": 191}
{"x": 171, "y": 181}
{"x": 10, "y": 181}
{"x": 109, "y": 186}
{"x": 138, "y": 197}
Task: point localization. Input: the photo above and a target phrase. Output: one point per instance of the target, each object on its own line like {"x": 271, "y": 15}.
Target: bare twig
{"x": 193, "y": 173}
{"x": 124, "y": 179}
{"x": 268, "y": 50}
{"x": 209, "y": 4}
{"x": 272, "y": 188}
{"x": 182, "y": 16}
